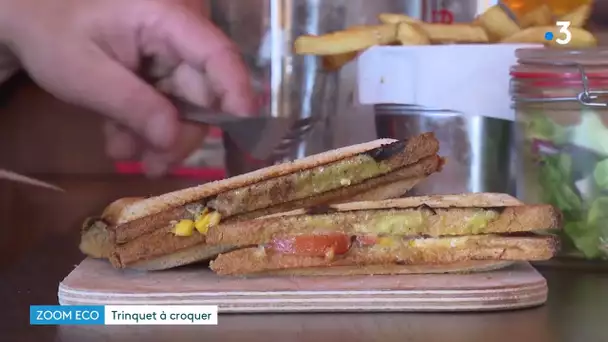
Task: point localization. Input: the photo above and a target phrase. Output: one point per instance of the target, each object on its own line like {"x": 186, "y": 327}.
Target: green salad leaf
{"x": 586, "y": 238}
{"x": 598, "y": 211}
{"x": 600, "y": 174}
{"x": 564, "y": 163}
{"x": 541, "y": 127}
{"x": 558, "y": 187}
{"x": 591, "y": 133}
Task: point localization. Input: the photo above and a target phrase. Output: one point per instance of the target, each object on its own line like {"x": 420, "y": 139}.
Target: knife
{"x": 257, "y": 136}
{"x": 16, "y": 177}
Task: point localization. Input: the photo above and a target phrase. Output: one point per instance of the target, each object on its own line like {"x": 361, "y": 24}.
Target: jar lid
{"x": 593, "y": 57}
{"x": 563, "y": 74}
{"x": 553, "y": 68}
{"x": 597, "y": 84}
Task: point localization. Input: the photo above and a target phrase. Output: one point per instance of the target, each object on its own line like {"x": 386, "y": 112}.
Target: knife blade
{"x": 257, "y": 136}
{"x": 16, "y": 177}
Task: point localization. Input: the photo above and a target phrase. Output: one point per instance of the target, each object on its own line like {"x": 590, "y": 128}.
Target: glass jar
{"x": 561, "y": 103}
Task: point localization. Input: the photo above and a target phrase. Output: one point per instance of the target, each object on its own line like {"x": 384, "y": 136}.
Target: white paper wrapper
{"x": 471, "y": 79}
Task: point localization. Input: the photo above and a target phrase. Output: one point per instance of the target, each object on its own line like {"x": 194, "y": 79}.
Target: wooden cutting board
{"x": 97, "y": 282}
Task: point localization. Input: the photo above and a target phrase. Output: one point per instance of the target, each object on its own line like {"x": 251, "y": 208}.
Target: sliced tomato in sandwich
{"x": 312, "y": 245}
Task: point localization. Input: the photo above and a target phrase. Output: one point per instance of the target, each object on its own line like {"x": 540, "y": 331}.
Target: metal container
{"x": 288, "y": 85}
{"x": 295, "y": 86}
{"x": 477, "y": 149}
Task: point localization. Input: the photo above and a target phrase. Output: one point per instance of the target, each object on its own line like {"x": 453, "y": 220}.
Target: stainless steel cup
{"x": 288, "y": 85}
{"x": 295, "y": 86}
{"x": 291, "y": 85}
{"x": 477, "y": 149}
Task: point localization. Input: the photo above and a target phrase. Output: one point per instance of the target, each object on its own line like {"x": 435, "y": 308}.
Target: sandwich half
{"x": 427, "y": 234}
{"x": 170, "y": 230}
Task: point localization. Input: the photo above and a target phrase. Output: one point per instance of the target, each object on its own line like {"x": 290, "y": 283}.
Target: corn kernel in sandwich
{"x": 214, "y": 218}
{"x": 184, "y": 228}
{"x": 202, "y": 224}
{"x": 202, "y": 214}
{"x": 206, "y": 221}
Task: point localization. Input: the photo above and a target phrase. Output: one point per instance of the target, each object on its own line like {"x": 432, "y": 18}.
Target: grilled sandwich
{"x": 171, "y": 230}
{"x": 425, "y": 234}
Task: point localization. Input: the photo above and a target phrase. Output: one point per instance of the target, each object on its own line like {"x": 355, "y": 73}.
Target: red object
{"x": 215, "y": 132}
{"x": 443, "y": 16}
{"x": 561, "y": 79}
{"x": 312, "y": 245}
{"x": 210, "y": 174}
{"x": 573, "y": 75}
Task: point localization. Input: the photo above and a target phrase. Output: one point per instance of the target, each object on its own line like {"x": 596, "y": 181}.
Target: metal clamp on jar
{"x": 561, "y": 104}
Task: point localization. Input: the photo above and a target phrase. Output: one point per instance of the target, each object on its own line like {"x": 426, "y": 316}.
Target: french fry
{"x": 540, "y": 16}
{"x": 394, "y": 18}
{"x": 493, "y": 26}
{"x": 345, "y": 41}
{"x": 578, "y": 17}
{"x": 455, "y": 33}
{"x": 357, "y": 27}
{"x": 579, "y": 37}
{"x": 497, "y": 23}
{"x": 411, "y": 34}
{"x": 335, "y": 62}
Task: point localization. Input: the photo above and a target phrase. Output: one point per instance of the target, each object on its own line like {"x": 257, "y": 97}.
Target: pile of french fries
{"x": 493, "y": 26}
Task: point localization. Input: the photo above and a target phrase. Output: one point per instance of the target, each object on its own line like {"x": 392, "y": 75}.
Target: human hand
{"x": 9, "y": 64}
{"x": 89, "y": 52}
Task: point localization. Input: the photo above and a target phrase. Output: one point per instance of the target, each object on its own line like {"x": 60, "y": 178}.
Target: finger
{"x": 191, "y": 137}
{"x": 91, "y": 79}
{"x": 197, "y": 6}
{"x": 214, "y": 53}
{"x": 120, "y": 143}
{"x": 189, "y": 84}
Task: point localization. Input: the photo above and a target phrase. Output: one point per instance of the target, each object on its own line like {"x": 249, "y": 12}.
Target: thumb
{"x": 93, "y": 80}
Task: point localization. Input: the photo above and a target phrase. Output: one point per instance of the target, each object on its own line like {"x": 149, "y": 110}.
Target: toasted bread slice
{"x": 390, "y": 185}
{"x": 413, "y": 216}
{"x": 462, "y": 267}
{"x": 276, "y": 186}
{"x": 95, "y": 238}
{"x": 411, "y": 150}
{"x": 464, "y": 200}
{"x": 423, "y": 251}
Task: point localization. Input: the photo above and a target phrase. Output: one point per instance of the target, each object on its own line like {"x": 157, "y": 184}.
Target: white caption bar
{"x": 161, "y": 315}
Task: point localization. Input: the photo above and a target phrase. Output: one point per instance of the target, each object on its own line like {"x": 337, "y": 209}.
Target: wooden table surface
{"x": 576, "y": 311}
